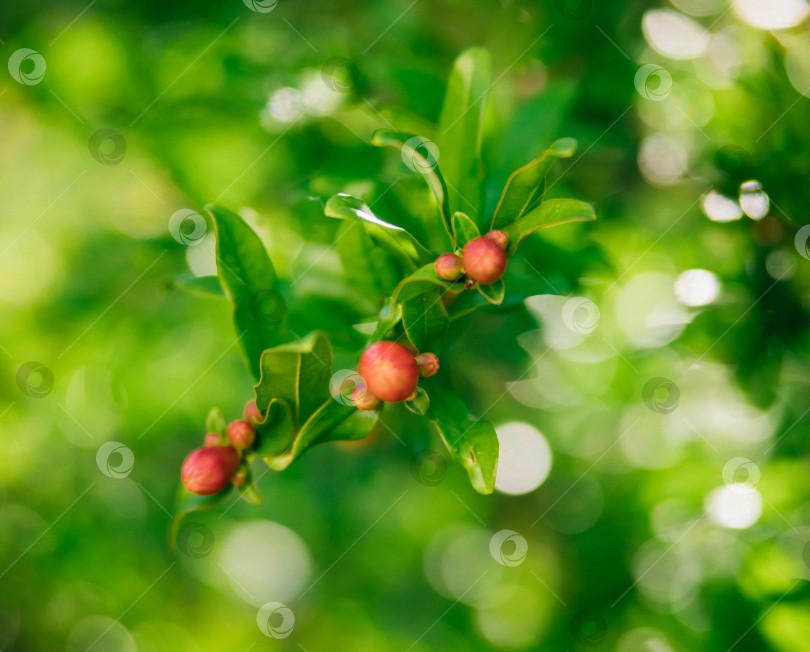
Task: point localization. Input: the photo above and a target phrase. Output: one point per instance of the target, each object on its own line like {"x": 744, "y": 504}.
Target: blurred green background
{"x": 652, "y": 414}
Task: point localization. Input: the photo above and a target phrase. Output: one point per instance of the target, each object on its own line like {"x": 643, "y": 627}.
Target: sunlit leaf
{"x": 551, "y": 212}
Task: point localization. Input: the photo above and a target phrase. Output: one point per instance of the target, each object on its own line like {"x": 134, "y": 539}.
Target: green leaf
{"x": 425, "y": 320}
{"x": 527, "y": 184}
{"x": 249, "y": 492}
{"x": 215, "y": 421}
{"x": 297, "y": 373}
{"x": 187, "y": 503}
{"x": 473, "y": 444}
{"x": 551, "y": 212}
{"x": 494, "y": 292}
{"x": 420, "y": 155}
{"x": 422, "y": 280}
{"x": 366, "y": 267}
{"x": 464, "y": 229}
{"x": 205, "y": 286}
{"x": 250, "y": 282}
{"x": 394, "y": 238}
{"x": 461, "y": 128}
{"x": 277, "y": 430}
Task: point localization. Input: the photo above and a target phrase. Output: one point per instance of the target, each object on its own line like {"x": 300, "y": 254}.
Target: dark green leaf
{"x": 461, "y": 128}
{"x": 464, "y": 229}
{"x": 473, "y": 444}
{"x": 551, "y": 212}
{"x": 298, "y": 373}
{"x": 420, "y": 155}
{"x": 275, "y": 433}
{"x": 250, "y": 282}
{"x": 422, "y": 280}
{"x": 425, "y": 320}
{"x": 527, "y": 184}
{"x": 394, "y": 238}
{"x": 494, "y": 292}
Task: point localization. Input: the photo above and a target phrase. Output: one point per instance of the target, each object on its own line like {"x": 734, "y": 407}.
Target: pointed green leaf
{"x": 494, "y": 292}
{"x": 420, "y": 155}
{"x": 425, "y": 320}
{"x": 215, "y": 421}
{"x": 464, "y": 229}
{"x": 205, "y": 286}
{"x": 366, "y": 267}
{"x": 461, "y": 128}
{"x": 297, "y": 373}
{"x": 356, "y": 426}
{"x": 422, "y": 280}
{"x": 250, "y": 282}
{"x": 526, "y": 185}
{"x": 186, "y": 503}
{"x": 276, "y": 432}
{"x": 249, "y": 492}
{"x": 394, "y": 238}
{"x": 551, "y": 212}
{"x": 473, "y": 444}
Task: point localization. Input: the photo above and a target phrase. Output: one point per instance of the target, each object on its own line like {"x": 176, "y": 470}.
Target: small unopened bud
{"x": 212, "y": 439}
{"x": 364, "y": 399}
{"x": 499, "y": 238}
{"x": 413, "y": 396}
{"x": 389, "y": 371}
{"x": 484, "y": 260}
{"x": 240, "y": 478}
{"x": 448, "y": 267}
{"x": 428, "y": 364}
{"x": 207, "y": 471}
{"x": 240, "y": 434}
{"x": 252, "y": 413}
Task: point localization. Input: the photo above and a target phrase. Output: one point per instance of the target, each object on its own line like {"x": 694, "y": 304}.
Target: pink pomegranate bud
{"x": 364, "y": 399}
{"x": 240, "y": 434}
{"x": 239, "y": 478}
{"x": 212, "y": 439}
{"x": 484, "y": 261}
{"x": 499, "y": 238}
{"x": 448, "y": 267}
{"x": 207, "y": 471}
{"x": 428, "y": 364}
{"x": 252, "y": 413}
{"x": 389, "y": 370}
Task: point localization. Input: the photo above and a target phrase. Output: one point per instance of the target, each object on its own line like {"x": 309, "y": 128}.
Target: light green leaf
{"x": 394, "y": 238}
{"x": 464, "y": 229}
{"x": 250, "y": 282}
{"x": 528, "y": 183}
{"x": 551, "y": 212}
{"x": 205, "y": 286}
{"x": 422, "y": 280}
{"x": 420, "y": 155}
{"x": 473, "y": 444}
{"x": 425, "y": 320}
{"x": 494, "y": 292}
{"x": 461, "y": 128}
{"x": 298, "y": 373}
{"x": 249, "y": 492}
{"x": 215, "y": 421}
{"x": 366, "y": 267}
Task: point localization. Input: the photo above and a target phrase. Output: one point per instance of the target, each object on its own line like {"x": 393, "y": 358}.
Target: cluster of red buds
{"x": 221, "y": 461}
{"x": 483, "y": 260}
{"x": 390, "y": 372}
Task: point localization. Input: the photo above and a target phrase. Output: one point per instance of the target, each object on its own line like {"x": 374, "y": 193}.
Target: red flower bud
{"x": 207, "y": 471}
{"x": 499, "y": 238}
{"x": 240, "y": 478}
{"x": 252, "y": 413}
{"x": 428, "y": 364}
{"x": 364, "y": 399}
{"x": 389, "y": 370}
{"x": 212, "y": 439}
{"x": 448, "y": 267}
{"x": 484, "y": 261}
{"x": 240, "y": 434}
